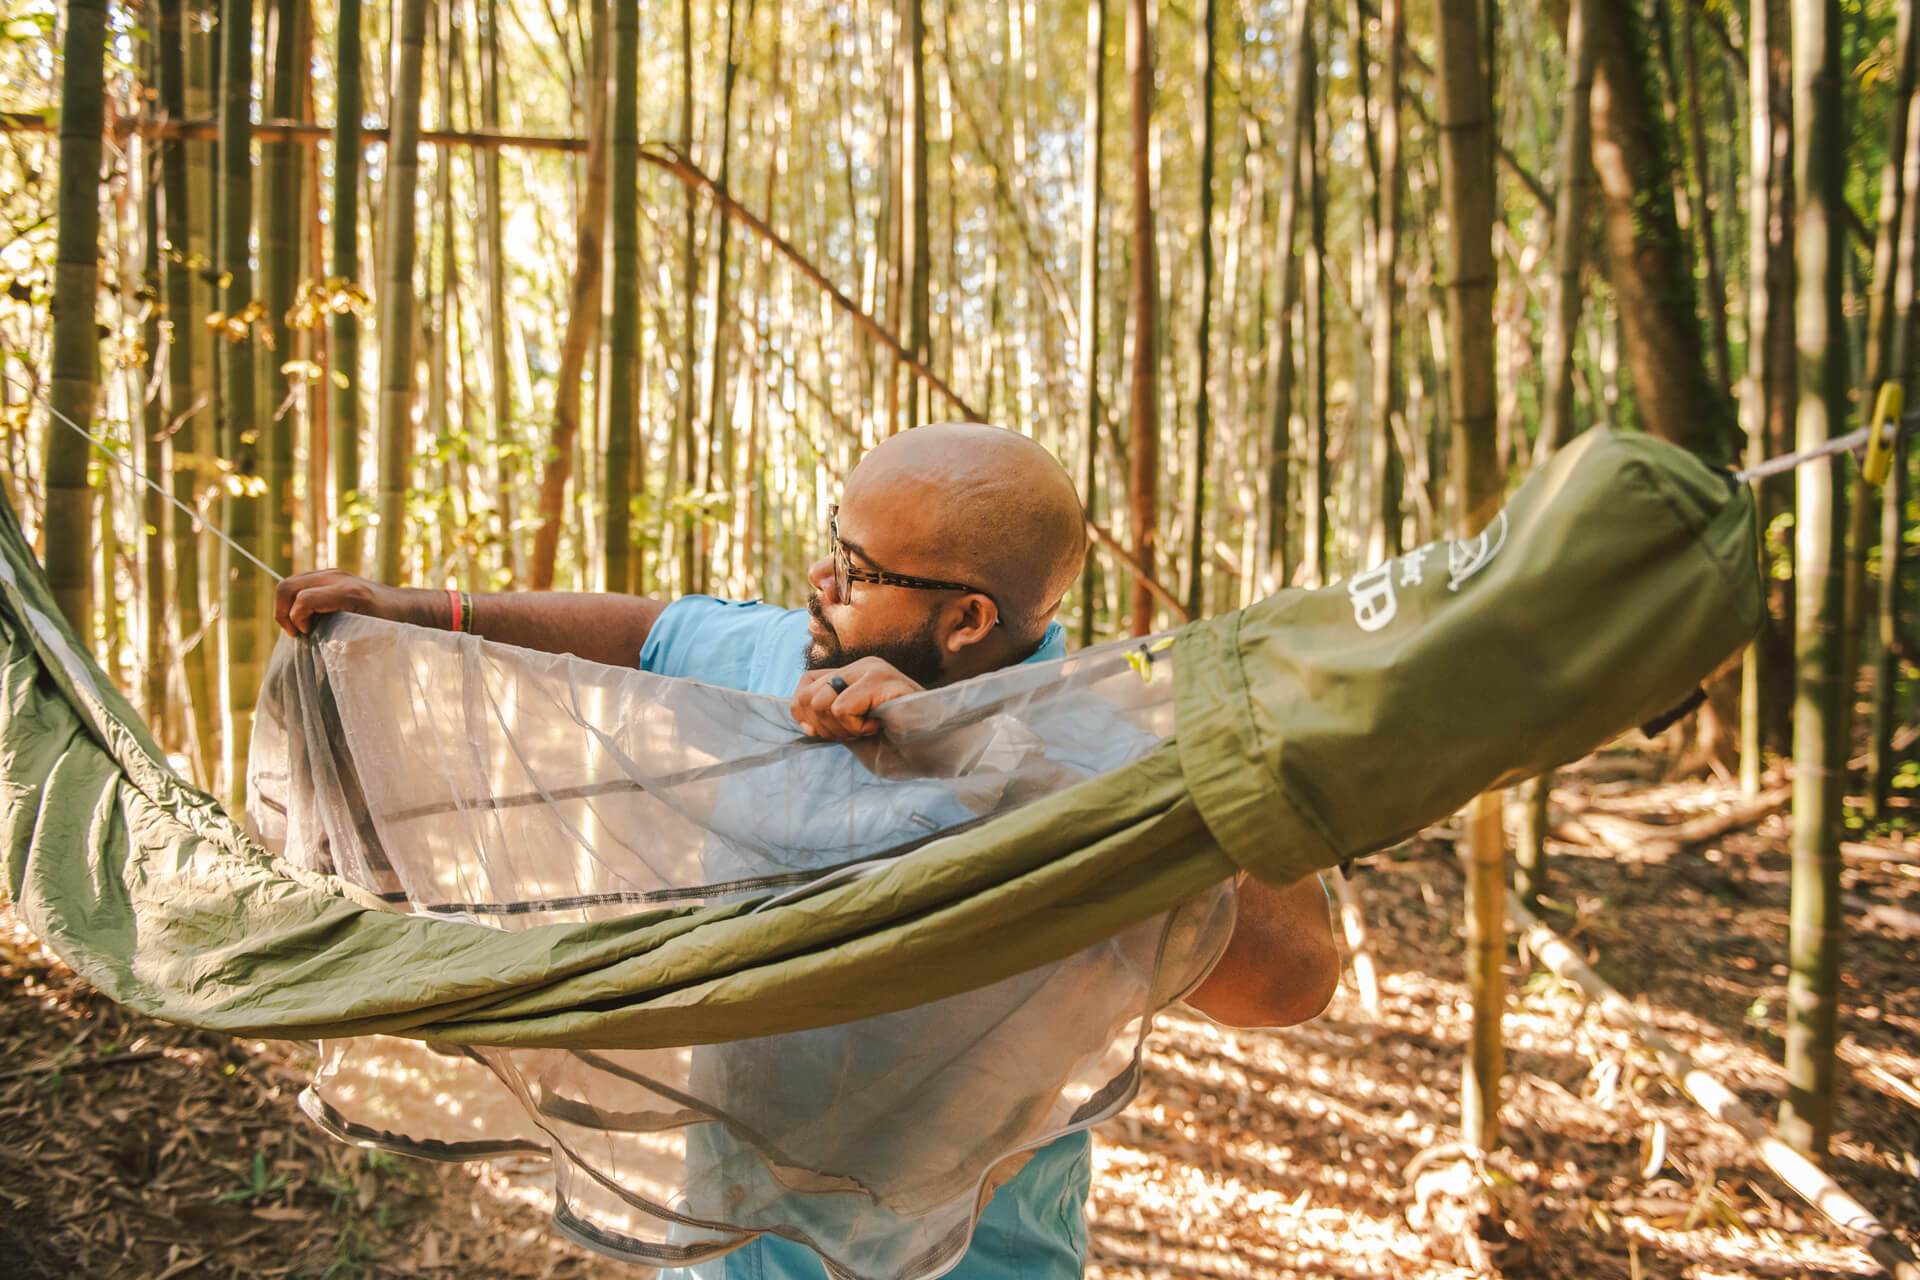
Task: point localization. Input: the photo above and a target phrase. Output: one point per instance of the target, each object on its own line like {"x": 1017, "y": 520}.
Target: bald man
{"x": 948, "y": 556}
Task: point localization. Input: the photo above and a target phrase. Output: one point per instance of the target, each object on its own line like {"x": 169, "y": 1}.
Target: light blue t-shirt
{"x": 1035, "y": 1227}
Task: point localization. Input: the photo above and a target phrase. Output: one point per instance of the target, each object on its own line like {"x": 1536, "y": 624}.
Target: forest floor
{"x": 138, "y": 1149}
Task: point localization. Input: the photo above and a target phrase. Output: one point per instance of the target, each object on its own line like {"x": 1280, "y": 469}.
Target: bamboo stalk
{"x": 188, "y": 416}
{"x": 583, "y": 316}
{"x": 279, "y": 277}
{"x": 241, "y": 617}
{"x": 1762, "y": 324}
{"x": 623, "y": 416}
{"x": 1287, "y": 272}
{"x": 493, "y": 240}
{"x": 1092, "y": 140}
{"x": 1143, "y": 396}
{"x": 1197, "y": 462}
{"x": 75, "y": 368}
{"x": 1317, "y": 542}
{"x": 1821, "y": 692}
{"x": 1886, "y": 358}
{"x": 152, "y": 456}
{"x": 1466, "y": 169}
{"x": 716, "y": 468}
{"x": 1800, "y": 1174}
{"x": 344, "y": 264}
{"x": 1881, "y": 759}
{"x": 1385, "y": 467}
{"x": 397, "y": 295}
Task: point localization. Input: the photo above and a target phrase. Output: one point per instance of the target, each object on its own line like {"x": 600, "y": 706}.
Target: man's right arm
{"x": 601, "y": 628}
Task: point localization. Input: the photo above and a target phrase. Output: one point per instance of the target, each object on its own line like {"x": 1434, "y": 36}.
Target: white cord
{"x": 108, "y": 450}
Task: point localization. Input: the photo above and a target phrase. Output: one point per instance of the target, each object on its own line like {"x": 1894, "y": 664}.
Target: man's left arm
{"x": 1281, "y": 965}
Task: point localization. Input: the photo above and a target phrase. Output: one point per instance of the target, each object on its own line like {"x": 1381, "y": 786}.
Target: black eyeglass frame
{"x": 846, "y": 572}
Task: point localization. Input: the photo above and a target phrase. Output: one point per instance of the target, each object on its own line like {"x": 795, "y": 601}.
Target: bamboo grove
{"x": 609, "y": 295}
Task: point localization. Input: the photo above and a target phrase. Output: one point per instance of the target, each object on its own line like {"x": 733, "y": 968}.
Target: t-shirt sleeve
{"x": 708, "y": 639}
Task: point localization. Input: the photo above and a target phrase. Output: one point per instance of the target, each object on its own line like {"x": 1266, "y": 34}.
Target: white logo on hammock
{"x": 1469, "y": 556}
{"x": 1374, "y": 600}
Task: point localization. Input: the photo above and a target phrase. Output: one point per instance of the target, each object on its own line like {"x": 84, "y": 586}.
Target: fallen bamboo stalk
{"x": 1353, "y": 923}
{"x": 1125, "y": 557}
{"x": 1801, "y": 1175}
{"x": 1862, "y": 852}
{"x": 666, "y": 158}
{"x": 1622, "y": 834}
{"x": 303, "y": 131}
{"x": 78, "y": 1065}
{"x": 658, "y": 155}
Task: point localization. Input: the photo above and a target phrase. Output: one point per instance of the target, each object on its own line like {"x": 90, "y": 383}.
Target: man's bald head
{"x": 977, "y": 504}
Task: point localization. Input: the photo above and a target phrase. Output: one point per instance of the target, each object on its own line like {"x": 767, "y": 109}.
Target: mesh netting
{"x": 470, "y": 780}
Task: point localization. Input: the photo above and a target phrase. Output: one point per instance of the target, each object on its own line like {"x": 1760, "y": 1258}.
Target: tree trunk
{"x": 279, "y": 276}
{"x": 624, "y": 372}
{"x": 1203, "y": 318}
{"x": 1819, "y": 754}
{"x": 75, "y": 374}
{"x": 1092, "y": 156}
{"x": 349, "y": 505}
{"x": 1143, "y": 392}
{"x": 397, "y": 290}
{"x": 583, "y": 314}
{"x": 240, "y": 406}
{"x": 1646, "y": 257}
{"x": 1467, "y": 187}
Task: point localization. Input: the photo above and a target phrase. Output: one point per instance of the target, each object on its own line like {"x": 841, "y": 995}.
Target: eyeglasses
{"x": 846, "y": 572}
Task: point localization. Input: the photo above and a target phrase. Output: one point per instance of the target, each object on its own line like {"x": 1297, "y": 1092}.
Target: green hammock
{"x": 1313, "y": 727}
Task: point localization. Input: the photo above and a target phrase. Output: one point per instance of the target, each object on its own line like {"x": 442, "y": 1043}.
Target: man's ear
{"x": 972, "y": 621}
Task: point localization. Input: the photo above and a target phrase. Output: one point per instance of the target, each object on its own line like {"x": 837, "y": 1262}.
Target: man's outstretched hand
{"x": 840, "y": 714}
{"x": 305, "y": 596}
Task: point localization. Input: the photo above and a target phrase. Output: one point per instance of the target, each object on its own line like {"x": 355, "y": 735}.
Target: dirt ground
{"x": 140, "y": 1150}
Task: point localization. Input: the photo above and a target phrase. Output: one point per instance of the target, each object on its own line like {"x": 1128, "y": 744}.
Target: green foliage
{"x": 257, "y": 1185}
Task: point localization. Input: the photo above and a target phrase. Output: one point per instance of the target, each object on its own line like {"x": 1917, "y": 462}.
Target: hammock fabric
{"x": 574, "y": 876}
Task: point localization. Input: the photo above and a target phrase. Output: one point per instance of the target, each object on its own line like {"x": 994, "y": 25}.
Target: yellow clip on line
{"x": 1141, "y": 659}
{"x": 1886, "y": 409}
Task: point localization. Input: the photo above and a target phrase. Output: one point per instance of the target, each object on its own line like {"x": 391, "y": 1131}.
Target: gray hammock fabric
{"x": 699, "y": 959}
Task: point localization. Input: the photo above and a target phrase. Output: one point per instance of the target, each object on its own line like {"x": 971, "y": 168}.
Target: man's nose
{"x": 820, "y": 575}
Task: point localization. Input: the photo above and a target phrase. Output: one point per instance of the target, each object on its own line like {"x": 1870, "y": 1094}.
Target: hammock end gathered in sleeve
{"x": 1319, "y": 725}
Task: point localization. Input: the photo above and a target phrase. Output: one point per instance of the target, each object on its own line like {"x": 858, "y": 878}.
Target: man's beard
{"x": 916, "y": 657}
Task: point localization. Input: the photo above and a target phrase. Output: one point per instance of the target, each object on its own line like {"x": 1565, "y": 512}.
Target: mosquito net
{"x": 462, "y": 779}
